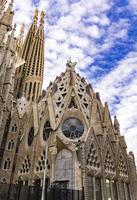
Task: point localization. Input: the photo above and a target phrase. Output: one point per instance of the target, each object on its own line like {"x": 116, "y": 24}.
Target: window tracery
{"x": 93, "y": 159}
{"x": 41, "y": 163}
{"x": 83, "y": 97}
{"x": 72, "y": 128}
{"x": 109, "y": 163}
{"x": 25, "y": 167}
{"x": 122, "y": 167}
{"x": 60, "y": 96}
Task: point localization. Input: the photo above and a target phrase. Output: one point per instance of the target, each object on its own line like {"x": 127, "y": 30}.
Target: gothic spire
{"x": 20, "y": 40}
{"x": 30, "y": 36}
{"x": 24, "y": 54}
{"x": 7, "y": 17}
{"x": 116, "y": 124}
{"x": 35, "y": 64}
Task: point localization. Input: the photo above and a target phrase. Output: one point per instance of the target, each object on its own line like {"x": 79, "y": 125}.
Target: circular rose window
{"x": 72, "y": 128}
{"x": 31, "y": 136}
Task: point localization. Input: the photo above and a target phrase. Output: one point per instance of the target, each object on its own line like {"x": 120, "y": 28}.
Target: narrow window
{"x": 14, "y": 128}
{"x": 90, "y": 187}
{"x": 127, "y": 191}
{"x": 25, "y": 87}
{"x": 30, "y": 88}
{"x": 114, "y": 190}
{"x": 108, "y": 186}
{"x": 98, "y": 189}
{"x": 7, "y": 164}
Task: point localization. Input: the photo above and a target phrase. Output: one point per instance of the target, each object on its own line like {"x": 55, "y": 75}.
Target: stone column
{"x": 53, "y": 154}
{"x": 132, "y": 176}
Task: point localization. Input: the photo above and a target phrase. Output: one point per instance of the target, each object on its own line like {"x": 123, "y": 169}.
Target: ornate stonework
{"x": 66, "y": 133}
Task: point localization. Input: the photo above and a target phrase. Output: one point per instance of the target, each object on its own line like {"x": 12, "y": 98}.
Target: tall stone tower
{"x": 7, "y": 63}
{"x": 29, "y": 77}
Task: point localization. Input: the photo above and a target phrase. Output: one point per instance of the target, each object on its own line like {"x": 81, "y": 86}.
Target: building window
{"x": 114, "y": 190}
{"x": 123, "y": 189}
{"x": 90, "y": 187}
{"x": 108, "y": 186}
{"x": 14, "y": 128}
{"x": 72, "y": 128}
{"x": 10, "y": 145}
{"x": 30, "y": 87}
{"x": 30, "y": 136}
{"x": 111, "y": 189}
{"x": 7, "y": 164}
{"x": 127, "y": 191}
{"x": 47, "y": 130}
{"x": 98, "y": 188}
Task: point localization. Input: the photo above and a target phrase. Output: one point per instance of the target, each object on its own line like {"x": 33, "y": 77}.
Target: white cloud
{"x": 121, "y": 83}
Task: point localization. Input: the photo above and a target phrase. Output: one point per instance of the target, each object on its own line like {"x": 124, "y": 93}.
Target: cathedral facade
{"x": 60, "y": 139}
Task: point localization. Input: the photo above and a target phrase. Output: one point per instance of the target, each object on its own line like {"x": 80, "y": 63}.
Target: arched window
{"x": 14, "y": 128}
{"x": 7, "y": 163}
{"x": 30, "y": 136}
{"x": 10, "y": 145}
{"x": 47, "y": 130}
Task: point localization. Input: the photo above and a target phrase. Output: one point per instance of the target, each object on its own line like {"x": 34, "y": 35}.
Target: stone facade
{"x": 65, "y": 134}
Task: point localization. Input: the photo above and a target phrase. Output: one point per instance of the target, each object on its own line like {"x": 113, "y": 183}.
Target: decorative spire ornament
{"x": 35, "y": 19}
{"x": 71, "y": 64}
{"x": 42, "y": 15}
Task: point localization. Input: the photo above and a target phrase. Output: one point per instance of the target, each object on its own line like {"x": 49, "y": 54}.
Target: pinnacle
{"x": 71, "y": 65}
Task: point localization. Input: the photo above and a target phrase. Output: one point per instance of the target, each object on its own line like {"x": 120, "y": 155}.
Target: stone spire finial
{"x": 35, "y": 18}
{"x": 42, "y": 15}
{"x": 22, "y": 29}
{"x": 71, "y": 64}
{"x": 116, "y": 123}
{"x": 20, "y": 40}
{"x": 11, "y": 2}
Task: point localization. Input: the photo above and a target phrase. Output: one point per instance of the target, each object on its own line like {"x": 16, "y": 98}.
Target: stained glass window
{"x": 72, "y": 128}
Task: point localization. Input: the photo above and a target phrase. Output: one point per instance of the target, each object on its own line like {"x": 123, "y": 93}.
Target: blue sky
{"x": 101, "y": 35}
